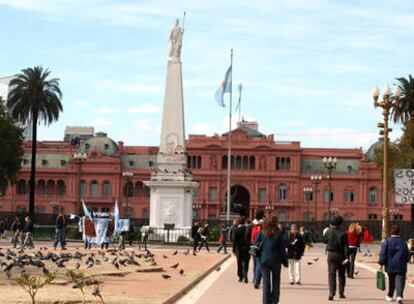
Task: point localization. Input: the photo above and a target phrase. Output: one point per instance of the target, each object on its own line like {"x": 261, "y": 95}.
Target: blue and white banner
{"x": 225, "y": 87}
{"x": 101, "y": 228}
{"x": 123, "y": 225}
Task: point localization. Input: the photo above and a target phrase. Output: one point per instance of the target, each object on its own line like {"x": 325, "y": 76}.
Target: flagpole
{"x": 240, "y": 91}
{"x": 229, "y": 144}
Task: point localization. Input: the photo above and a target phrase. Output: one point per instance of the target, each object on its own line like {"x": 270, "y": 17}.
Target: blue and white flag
{"x": 116, "y": 220}
{"x": 86, "y": 211}
{"x": 101, "y": 229}
{"x": 225, "y": 87}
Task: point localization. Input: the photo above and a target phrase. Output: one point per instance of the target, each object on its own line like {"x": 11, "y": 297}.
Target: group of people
{"x": 21, "y": 231}
{"x": 199, "y": 234}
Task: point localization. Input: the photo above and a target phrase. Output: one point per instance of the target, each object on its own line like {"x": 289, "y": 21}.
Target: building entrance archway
{"x": 239, "y": 200}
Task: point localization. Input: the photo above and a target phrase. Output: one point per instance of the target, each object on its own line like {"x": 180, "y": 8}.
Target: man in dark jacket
{"x": 195, "y": 236}
{"x": 28, "y": 232}
{"x": 295, "y": 248}
{"x": 394, "y": 256}
{"x": 241, "y": 247}
{"x": 337, "y": 247}
{"x": 60, "y": 229}
{"x": 17, "y": 231}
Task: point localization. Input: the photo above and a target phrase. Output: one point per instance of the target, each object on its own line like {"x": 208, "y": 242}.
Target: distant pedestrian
{"x": 17, "y": 230}
{"x": 307, "y": 238}
{"x": 28, "y": 231}
{"x": 131, "y": 233}
{"x": 295, "y": 249}
{"x": 195, "y": 236}
{"x": 203, "y": 232}
{"x": 257, "y": 227}
{"x": 1, "y": 228}
{"x": 395, "y": 256}
{"x": 241, "y": 247}
{"x": 272, "y": 257}
{"x": 354, "y": 241}
{"x": 6, "y": 228}
{"x": 60, "y": 230}
{"x": 222, "y": 239}
{"x": 337, "y": 247}
{"x": 232, "y": 229}
{"x": 122, "y": 236}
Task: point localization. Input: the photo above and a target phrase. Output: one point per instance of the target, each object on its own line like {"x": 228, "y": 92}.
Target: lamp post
{"x": 127, "y": 175}
{"x": 307, "y": 191}
{"x": 393, "y": 212}
{"x": 387, "y": 103}
{"x": 55, "y": 205}
{"x": 316, "y": 181}
{"x": 334, "y": 210}
{"x": 330, "y": 165}
{"x": 197, "y": 207}
{"x": 269, "y": 208}
{"x": 79, "y": 158}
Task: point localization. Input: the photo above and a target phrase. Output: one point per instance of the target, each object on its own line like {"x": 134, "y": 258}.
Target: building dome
{"x": 370, "y": 155}
{"x": 101, "y": 142}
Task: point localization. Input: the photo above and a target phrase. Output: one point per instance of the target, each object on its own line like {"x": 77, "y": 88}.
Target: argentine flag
{"x": 116, "y": 220}
{"x": 225, "y": 87}
{"x": 86, "y": 211}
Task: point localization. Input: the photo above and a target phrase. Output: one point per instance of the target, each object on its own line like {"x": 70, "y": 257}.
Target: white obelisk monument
{"x": 171, "y": 184}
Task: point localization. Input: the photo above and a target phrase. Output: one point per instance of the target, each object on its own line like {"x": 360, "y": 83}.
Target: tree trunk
{"x": 33, "y": 167}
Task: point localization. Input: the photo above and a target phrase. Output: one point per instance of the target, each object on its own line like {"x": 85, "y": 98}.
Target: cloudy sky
{"x": 307, "y": 67}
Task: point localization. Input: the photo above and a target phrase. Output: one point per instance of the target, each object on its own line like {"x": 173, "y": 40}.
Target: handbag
{"x": 381, "y": 280}
{"x": 255, "y": 249}
{"x": 222, "y": 240}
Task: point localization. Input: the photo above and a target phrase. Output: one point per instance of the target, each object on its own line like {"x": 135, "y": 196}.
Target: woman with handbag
{"x": 272, "y": 255}
{"x": 222, "y": 239}
{"x": 395, "y": 256}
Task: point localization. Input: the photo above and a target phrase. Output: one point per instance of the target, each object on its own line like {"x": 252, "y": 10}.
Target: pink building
{"x": 266, "y": 174}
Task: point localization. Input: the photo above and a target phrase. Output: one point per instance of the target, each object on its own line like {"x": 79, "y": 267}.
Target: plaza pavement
{"x": 223, "y": 287}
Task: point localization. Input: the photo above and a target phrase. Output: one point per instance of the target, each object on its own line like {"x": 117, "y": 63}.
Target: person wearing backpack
{"x": 257, "y": 227}
{"x": 295, "y": 249}
{"x": 241, "y": 247}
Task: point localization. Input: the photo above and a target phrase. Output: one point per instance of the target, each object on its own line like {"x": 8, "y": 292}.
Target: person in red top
{"x": 354, "y": 234}
{"x": 257, "y": 227}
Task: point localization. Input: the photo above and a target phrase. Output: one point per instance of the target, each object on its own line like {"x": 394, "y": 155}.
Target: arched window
{"x": 147, "y": 191}
{"x": 281, "y": 216}
{"x": 61, "y": 188}
{"x": 145, "y": 213}
{"x": 129, "y": 189}
{"x": 282, "y": 192}
{"x": 282, "y": 164}
{"x": 288, "y": 164}
{"x": 372, "y": 217}
{"x": 326, "y": 196}
{"x": 232, "y": 162}
{"x": 245, "y": 164}
{"x": 82, "y": 188}
{"x": 277, "y": 163}
{"x": 198, "y": 162}
{"x": 41, "y": 187}
{"x": 188, "y": 161}
{"x": 224, "y": 162}
{"x": 252, "y": 162}
{"x": 94, "y": 188}
{"x": 22, "y": 187}
{"x": 106, "y": 189}
{"x": 373, "y": 196}
{"x": 308, "y": 217}
{"x": 40, "y": 209}
{"x": 194, "y": 162}
{"x": 238, "y": 162}
{"x": 50, "y": 188}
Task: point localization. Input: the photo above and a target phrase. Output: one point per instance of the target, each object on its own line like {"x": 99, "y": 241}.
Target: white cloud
{"x": 107, "y": 110}
{"x": 80, "y": 103}
{"x": 129, "y": 87}
{"x": 145, "y": 108}
{"x": 101, "y": 122}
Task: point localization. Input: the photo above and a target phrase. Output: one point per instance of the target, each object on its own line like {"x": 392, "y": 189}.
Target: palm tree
{"x": 405, "y": 110}
{"x": 34, "y": 98}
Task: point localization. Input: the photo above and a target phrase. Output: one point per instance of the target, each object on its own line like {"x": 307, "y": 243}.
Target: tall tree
{"x": 34, "y": 98}
{"x": 11, "y": 152}
{"x": 405, "y": 110}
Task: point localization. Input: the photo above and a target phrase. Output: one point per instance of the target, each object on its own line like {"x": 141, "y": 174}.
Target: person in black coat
{"x": 195, "y": 236}
{"x": 28, "y": 232}
{"x": 295, "y": 249}
{"x": 241, "y": 247}
{"x": 60, "y": 230}
{"x": 17, "y": 230}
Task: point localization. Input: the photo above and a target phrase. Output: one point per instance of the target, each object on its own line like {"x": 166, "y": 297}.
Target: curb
{"x": 190, "y": 286}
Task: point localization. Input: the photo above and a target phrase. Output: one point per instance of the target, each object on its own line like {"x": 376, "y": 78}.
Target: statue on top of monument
{"x": 175, "y": 43}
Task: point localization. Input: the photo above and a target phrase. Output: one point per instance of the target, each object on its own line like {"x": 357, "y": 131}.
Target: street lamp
{"x": 55, "y": 205}
{"x": 394, "y": 211}
{"x": 334, "y": 210}
{"x": 307, "y": 191}
{"x": 128, "y": 176}
{"x": 269, "y": 208}
{"x": 316, "y": 181}
{"x": 79, "y": 158}
{"x": 330, "y": 165}
{"x": 197, "y": 207}
{"x": 388, "y": 102}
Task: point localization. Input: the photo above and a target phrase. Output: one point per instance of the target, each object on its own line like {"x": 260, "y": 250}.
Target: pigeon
{"x": 45, "y": 271}
{"x": 218, "y": 268}
{"x": 356, "y": 272}
{"x": 8, "y": 274}
{"x": 310, "y": 263}
{"x": 96, "y": 292}
{"x": 182, "y": 271}
{"x": 166, "y": 276}
{"x": 316, "y": 259}
{"x": 175, "y": 265}
{"x": 116, "y": 265}
{"x": 165, "y": 257}
{"x": 77, "y": 265}
{"x": 175, "y": 252}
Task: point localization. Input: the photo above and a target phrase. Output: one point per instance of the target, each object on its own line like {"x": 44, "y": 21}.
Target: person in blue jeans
{"x": 395, "y": 256}
{"x": 271, "y": 256}
{"x": 257, "y": 227}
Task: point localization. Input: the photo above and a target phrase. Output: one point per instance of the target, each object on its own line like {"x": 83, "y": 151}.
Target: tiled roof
{"x": 55, "y": 160}
{"x": 249, "y": 131}
{"x": 138, "y": 161}
{"x": 343, "y": 166}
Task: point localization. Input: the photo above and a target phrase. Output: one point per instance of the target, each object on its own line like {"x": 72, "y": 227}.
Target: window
{"x": 252, "y": 162}
{"x": 373, "y": 196}
{"x": 105, "y": 209}
{"x": 262, "y": 194}
{"x": 21, "y": 209}
{"x": 350, "y": 169}
{"x": 372, "y": 217}
{"x": 63, "y": 162}
{"x": 61, "y": 188}
{"x": 224, "y": 162}
{"x": 283, "y": 164}
{"x": 349, "y": 196}
{"x": 398, "y": 217}
{"x": 195, "y": 193}
{"x": 198, "y": 162}
{"x": 150, "y": 163}
{"x": 25, "y": 161}
{"x": 281, "y": 216}
{"x": 94, "y": 188}
{"x": 238, "y": 162}
{"x": 308, "y": 196}
{"x": 212, "y": 193}
{"x": 41, "y": 187}
{"x": 129, "y": 189}
{"x": 131, "y": 163}
{"x": 21, "y": 187}
{"x": 282, "y": 195}
{"x": 44, "y": 162}
{"x": 50, "y": 187}
{"x": 40, "y": 209}
{"x": 308, "y": 217}
{"x": 147, "y": 191}
{"x": 83, "y": 188}
{"x": 106, "y": 146}
{"x": 327, "y": 196}
{"x": 245, "y": 165}
{"x": 106, "y": 189}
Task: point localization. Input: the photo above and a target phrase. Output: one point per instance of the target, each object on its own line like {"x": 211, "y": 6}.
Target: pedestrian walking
{"x": 122, "y": 236}
{"x": 354, "y": 241}
{"x": 241, "y": 247}
{"x": 60, "y": 230}
{"x": 257, "y": 227}
{"x": 131, "y": 233}
{"x": 195, "y": 236}
{"x": 272, "y": 255}
{"x": 222, "y": 239}
{"x": 232, "y": 229}
{"x": 307, "y": 238}
{"x": 394, "y": 256}
{"x": 6, "y": 227}
{"x": 28, "y": 231}
{"x": 203, "y": 232}
{"x": 295, "y": 249}
{"x": 1, "y": 228}
{"x": 17, "y": 230}
{"x": 337, "y": 247}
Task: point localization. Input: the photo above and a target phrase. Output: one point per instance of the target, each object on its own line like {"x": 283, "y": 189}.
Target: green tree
{"x": 34, "y": 98}
{"x": 11, "y": 152}
{"x": 405, "y": 110}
